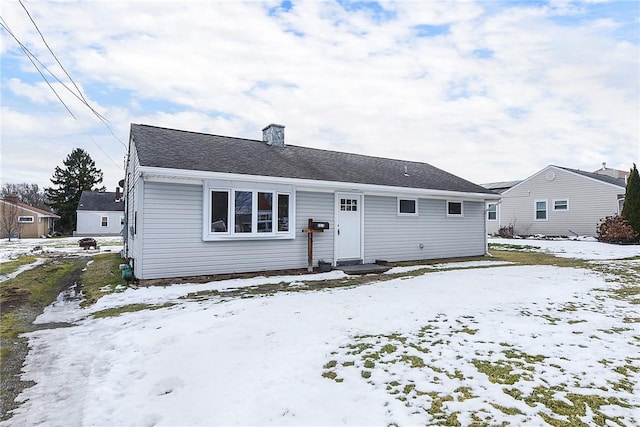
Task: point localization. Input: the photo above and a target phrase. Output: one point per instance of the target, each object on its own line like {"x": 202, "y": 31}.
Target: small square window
{"x": 454, "y": 209}
{"x": 407, "y": 207}
{"x": 350, "y": 205}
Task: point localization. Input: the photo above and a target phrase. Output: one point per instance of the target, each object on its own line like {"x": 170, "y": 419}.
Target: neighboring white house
{"x": 555, "y": 201}
{"x": 100, "y": 214}
{"x": 200, "y": 204}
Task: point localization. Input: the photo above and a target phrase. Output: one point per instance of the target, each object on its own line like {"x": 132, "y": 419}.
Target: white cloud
{"x": 504, "y": 92}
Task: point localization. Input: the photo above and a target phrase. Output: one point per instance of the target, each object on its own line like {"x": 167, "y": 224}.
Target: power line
{"x": 51, "y": 51}
{"x": 78, "y": 95}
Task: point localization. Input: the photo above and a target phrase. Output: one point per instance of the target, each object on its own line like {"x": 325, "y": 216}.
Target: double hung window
{"x": 540, "y": 210}
{"x": 492, "y": 212}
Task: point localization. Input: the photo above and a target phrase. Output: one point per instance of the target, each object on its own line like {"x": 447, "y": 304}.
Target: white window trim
{"x": 546, "y": 210}
{"x": 449, "y": 215}
{"x": 488, "y": 210}
{"x": 102, "y": 218}
{"x": 560, "y": 200}
{"x": 21, "y": 219}
{"x": 230, "y": 234}
{"x": 406, "y": 213}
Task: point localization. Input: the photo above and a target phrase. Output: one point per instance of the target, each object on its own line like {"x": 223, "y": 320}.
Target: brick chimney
{"x": 117, "y": 194}
{"x": 273, "y": 135}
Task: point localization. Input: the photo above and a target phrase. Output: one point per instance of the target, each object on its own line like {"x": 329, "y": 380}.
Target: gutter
{"x": 199, "y": 177}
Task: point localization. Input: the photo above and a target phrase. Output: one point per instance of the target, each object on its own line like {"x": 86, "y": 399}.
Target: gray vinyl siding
{"x": 391, "y": 237}
{"x": 173, "y": 245}
{"x": 589, "y": 200}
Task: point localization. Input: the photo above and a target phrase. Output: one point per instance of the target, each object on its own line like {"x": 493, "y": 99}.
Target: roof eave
{"x": 198, "y": 177}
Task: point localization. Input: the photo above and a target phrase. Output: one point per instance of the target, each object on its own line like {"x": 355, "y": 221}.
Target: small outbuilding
{"x": 202, "y": 204}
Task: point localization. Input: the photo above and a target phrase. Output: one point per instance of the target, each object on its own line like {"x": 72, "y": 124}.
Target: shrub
{"x": 506, "y": 231}
{"x": 616, "y": 229}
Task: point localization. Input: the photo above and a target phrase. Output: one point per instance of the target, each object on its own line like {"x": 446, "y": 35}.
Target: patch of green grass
{"x": 513, "y": 247}
{"x": 413, "y": 361}
{"x": 465, "y": 393}
{"x": 102, "y": 276}
{"x": 499, "y": 372}
{"x": 130, "y": 308}
{"x": 505, "y": 410}
{"x": 11, "y": 266}
{"x": 39, "y": 285}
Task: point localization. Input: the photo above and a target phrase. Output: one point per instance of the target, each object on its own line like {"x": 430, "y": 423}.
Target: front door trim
{"x": 336, "y": 230}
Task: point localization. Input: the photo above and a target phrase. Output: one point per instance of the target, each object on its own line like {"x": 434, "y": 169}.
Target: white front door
{"x": 348, "y": 226}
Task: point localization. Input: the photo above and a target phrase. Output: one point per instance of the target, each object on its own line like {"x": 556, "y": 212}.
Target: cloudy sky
{"x": 487, "y": 90}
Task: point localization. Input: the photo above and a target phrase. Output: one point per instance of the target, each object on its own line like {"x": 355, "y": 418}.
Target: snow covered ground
{"x": 66, "y": 245}
{"x": 487, "y": 343}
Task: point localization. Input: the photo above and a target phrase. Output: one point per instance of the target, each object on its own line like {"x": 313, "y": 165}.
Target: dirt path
{"x": 17, "y": 312}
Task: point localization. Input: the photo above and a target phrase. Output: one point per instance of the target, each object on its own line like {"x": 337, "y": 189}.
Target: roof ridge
{"x": 196, "y": 133}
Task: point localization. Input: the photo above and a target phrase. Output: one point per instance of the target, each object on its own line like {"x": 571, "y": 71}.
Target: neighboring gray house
{"x": 100, "y": 213}
{"x": 200, "y": 204}
{"x": 555, "y": 201}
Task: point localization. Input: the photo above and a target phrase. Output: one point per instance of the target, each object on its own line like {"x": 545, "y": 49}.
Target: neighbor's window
{"x": 492, "y": 212}
{"x": 249, "y": 213}
{"x": 541, "y": 210}
{"x": 104, "y": 221}
{"x": 24, "y": 219}
{"x": 454, "y": 208}
{"x": 561, "y": 205}
{"x": 407, "y": 207}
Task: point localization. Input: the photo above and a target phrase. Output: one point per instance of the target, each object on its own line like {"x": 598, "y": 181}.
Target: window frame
{"x": 492, "y": 208}
{"x": 30, "y": 220}
{"x": 256, "y": 233}
{"x": 415, "y": 205}
{"x": 566, "y": 202}
{"x": 104, "y": 223}
{"x": 454, "y": 215}
{"x": 546, "y": 210}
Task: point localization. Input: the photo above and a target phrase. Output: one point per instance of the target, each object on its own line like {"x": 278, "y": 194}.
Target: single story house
{"x": 100, "y": 213}
{"x": 25, "y": 221}
{"x": 201, "y": 204}
{"x": 555, "y": 201}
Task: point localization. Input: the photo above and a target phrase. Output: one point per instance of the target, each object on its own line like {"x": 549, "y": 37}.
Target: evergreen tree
{"x": 79, "y": 174}
{"x": 631, "y": 207}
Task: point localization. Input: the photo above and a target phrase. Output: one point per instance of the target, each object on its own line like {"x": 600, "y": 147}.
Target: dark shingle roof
{"x": 99, "y": 201}
{"x": 500, "y": 187}
{"x": 604, "y": 178}
{"x": 176, "y": 149}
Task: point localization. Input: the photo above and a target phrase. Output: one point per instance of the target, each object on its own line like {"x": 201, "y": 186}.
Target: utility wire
{"x": 31, "y": 58}
{"x": 51, "y": 51}
{"x": 78, "y": 95}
